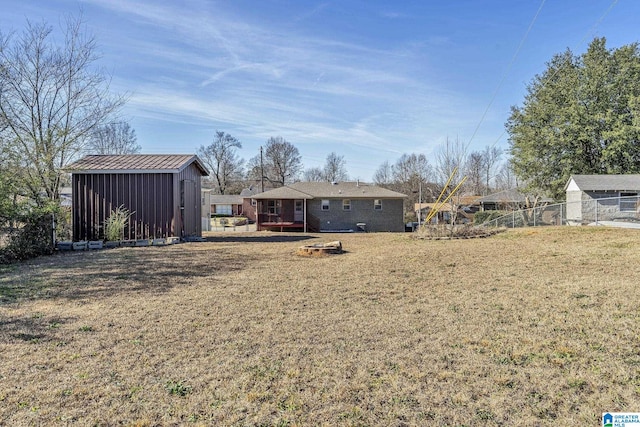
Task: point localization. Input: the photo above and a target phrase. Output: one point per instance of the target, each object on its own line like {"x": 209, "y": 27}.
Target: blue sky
{"x": 366, "y": 79}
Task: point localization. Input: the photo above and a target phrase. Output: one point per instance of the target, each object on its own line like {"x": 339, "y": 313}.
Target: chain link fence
{"x": 623, "y": 210}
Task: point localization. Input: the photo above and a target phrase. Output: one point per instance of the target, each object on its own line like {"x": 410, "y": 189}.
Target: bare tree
{"x": 221, "y": 158}
{"x": 475, "y": 169}
{"x": 282, "y": 161}
{"x": 506, "y": 178}
{"x": 411, "y": 175}
{"x": 51, "y": 100}
{"x": 314, "y": 174}
{"x": 114, "y": 138}
{"x": 410, "y": 167}
{"x": 382, "y": 176}
{"x": 491, "y": 157}
{"x": 335, "y": 168}
{"x": 450, "y": 160}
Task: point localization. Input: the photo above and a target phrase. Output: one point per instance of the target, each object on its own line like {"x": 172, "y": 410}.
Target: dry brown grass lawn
{"x": 529, "y": 327}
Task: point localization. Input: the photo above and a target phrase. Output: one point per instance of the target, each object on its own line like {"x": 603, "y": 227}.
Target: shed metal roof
{"x": 136, "y": 163}
{"x": 606, "y": 182}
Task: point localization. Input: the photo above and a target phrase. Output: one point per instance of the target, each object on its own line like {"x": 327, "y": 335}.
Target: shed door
{"x": 188, "y": 208}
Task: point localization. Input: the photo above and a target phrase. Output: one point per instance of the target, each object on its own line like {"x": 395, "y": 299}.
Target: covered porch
{"x": 284, "y": 214}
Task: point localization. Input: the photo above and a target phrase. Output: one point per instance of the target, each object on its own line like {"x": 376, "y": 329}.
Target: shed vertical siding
{"x": 147, "y": 196}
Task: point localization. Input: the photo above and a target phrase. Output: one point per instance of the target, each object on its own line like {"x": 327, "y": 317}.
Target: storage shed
{"x": 161, "y": 191}
{"x": 593, "y": 198}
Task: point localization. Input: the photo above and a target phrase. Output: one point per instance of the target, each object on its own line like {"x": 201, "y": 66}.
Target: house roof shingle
{"x": 606, "y": 182}
{"x": 226, "y": 199}
{"x": 136, "y": 163}
{"x": 342, "y": 190}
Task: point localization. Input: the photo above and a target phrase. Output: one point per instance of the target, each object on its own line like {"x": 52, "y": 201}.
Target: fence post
{"x": 534, "y": 217}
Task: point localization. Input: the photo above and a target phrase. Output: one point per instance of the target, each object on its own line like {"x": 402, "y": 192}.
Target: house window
{"x": 325, "y": 205}
{"x": 628, "y": 202}
{"x": 273, "y": 207}
{"x": 223, "y": 209}
{"x": 377, "y": 205}
{"x": 253, "y": 202}
{"x": 346, "y": 205}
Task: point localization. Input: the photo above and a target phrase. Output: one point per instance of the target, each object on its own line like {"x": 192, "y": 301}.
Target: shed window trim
{"x": 377, "y": 204}
{"x": 346, "y": 204}
{"x": 325, "y": 204}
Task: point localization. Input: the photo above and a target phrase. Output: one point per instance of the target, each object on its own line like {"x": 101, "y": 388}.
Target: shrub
{"x": 484, "y": 216}
{"x": 33, "y": 234}
{"x": 115, "y": 224}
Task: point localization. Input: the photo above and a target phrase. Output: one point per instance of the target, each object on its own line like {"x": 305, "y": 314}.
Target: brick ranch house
{"x": 330, "y": 207}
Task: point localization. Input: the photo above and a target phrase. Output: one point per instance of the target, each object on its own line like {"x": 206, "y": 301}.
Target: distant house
{"x": 226, "y": 205}
{"x": 205, "y": 209}
{"x": 610, "y": 196}
{"x": 326, "y": 206}
{"x": 249, "y": 203}
{"x": 161, "y": 191}
{"x": 511, "y": 199}
{"x": 65, "y": 197}
{"x": 467, "y": 206}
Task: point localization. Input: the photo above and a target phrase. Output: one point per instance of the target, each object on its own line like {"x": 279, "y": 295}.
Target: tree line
{"x": 279, "y": 163}
{"x": 581, "y": 115}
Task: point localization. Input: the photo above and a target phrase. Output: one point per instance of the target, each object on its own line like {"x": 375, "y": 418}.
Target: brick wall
{"x": 389, "y": 218}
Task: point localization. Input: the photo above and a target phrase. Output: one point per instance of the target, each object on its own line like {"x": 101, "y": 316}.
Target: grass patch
{"x": 527, "y": 327}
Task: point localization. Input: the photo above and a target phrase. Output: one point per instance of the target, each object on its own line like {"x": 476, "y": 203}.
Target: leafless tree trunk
{"x": 313, "y": 175}
{"x": 382, "y": 176}
{"x": 506, "y": 178}
{"x": 450, "y": 160}
{"x": 221, "y": 158}
{"x": 335, "y": 168}
{"x": 114, "y": 138}
{"x": 475, "y": 172}
{"x": 282, "y": 161}
{"x": 51, "y": 101}
{"x": 491, "y": 156}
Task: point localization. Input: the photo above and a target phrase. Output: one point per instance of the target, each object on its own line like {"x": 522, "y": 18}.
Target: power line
{"x": 557, "y": 70}
{"x": 504, "y": 75}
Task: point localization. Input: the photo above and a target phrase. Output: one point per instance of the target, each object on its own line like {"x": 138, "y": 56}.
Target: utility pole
{"x": 420, "y": 203}
{"x": 261, "y": 170}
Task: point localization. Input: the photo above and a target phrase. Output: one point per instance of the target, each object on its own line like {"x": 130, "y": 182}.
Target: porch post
{"x": 304, "y": 216}
{"x": 258, "y": 202}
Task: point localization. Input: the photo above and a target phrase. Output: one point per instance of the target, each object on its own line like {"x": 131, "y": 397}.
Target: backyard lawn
{"x": 530, "y": 327}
